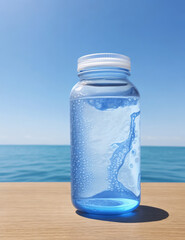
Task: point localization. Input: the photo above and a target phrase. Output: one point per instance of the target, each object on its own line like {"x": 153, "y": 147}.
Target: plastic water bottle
{"x": 105, "y": 136}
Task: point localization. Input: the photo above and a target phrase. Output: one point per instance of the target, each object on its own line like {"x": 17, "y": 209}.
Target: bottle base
{"x": 107, "y": 206}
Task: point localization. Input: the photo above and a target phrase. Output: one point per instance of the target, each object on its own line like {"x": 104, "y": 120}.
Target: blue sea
{"x": 36, "y": 163}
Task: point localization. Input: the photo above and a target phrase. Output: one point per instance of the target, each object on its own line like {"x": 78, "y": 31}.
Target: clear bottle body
{"x": 105, "y": 142}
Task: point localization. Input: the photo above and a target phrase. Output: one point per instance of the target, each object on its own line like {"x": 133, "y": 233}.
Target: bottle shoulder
{"x": 108, "y": 89}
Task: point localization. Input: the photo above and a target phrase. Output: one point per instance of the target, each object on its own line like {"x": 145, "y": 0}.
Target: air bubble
{"x": 134, "y": 152}
{"x": 137, "y": 160}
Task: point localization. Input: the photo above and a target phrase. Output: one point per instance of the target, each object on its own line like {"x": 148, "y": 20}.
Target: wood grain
{"x": 44, "y": 211}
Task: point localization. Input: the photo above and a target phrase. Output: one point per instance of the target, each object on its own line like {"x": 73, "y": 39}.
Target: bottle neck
{"x": 106, "y": 75}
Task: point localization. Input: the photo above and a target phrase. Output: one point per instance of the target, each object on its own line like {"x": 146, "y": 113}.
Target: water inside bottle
{"x": 105, "y": 154}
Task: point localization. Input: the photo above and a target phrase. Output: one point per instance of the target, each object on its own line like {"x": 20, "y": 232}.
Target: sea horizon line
{"x": 68, "y": 145}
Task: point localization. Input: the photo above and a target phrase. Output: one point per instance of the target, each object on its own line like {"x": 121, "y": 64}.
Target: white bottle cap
{"x": 103, "y": 60}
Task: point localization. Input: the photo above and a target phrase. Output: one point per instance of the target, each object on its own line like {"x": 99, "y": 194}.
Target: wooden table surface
{"x": 44, "y": 211}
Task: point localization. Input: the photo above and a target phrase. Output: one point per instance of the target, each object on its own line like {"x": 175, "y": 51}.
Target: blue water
{"x": 104, "y": 205}
{"x": 34, "y": 163}
{"x": 105, "y": 174}
{"x": 52, "y": 164}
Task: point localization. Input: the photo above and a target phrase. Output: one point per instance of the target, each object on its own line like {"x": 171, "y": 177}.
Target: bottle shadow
{"x": 141, "y": 214}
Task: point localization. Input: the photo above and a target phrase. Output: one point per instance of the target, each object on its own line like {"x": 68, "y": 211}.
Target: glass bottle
{"x": 105, "y": 136}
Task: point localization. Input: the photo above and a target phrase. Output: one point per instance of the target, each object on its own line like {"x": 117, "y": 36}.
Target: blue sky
{"x": 40, "y": 42}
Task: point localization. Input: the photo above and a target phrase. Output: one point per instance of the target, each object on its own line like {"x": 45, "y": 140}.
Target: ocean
{"x": 43, "y": 163}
